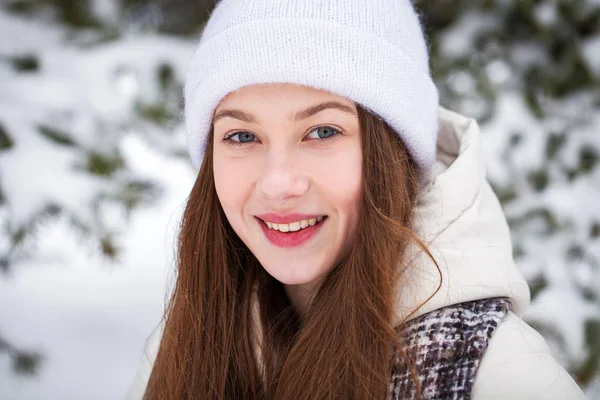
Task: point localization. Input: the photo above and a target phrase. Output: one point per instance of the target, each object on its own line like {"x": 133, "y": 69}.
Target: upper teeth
{"x": 294, "y": 226}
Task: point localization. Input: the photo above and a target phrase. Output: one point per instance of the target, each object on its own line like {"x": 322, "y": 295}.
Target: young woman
{"x": 341, "y": 240}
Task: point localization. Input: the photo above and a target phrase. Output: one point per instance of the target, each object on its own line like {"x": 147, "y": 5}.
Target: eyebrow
{"x": 298, "y": 116}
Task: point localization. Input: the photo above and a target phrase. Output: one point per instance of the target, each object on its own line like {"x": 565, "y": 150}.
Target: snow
{"x": 499, "y": 72}
{"x": 458, "y": 40}
{"x": 462, "y": 82}
{"x": 546, "y": 13}
{"x": 88, "y": 93}
{"x": 90, "y": 319}
{"x": 591, "y": 51}
{"x": 31, "y": 35}
{"x": 560, "y": 308}
{"x": 106, "y": 11}
{"x": 512, "y": 117}
{"x": 31, "y": 185}
{"x": 551, "y": 224}
{"x": 87, "y": 315}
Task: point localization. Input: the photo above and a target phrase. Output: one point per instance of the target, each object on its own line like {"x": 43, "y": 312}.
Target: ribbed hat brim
{"x": 325, "y": 55}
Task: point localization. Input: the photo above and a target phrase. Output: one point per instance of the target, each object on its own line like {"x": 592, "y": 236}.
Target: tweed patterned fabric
{"x": 448, "y": 345}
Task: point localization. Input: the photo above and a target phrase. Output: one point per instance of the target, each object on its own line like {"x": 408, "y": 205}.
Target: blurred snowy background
{"x": 94, "y": 175}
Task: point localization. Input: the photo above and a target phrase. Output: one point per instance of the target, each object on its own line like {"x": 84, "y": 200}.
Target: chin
{"x": 295, "y": 274}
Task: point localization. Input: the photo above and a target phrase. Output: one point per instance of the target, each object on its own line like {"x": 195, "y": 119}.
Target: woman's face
{"x": 288, "y": 173}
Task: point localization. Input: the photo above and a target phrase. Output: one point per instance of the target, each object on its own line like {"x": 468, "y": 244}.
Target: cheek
{"x": 341, "y": 181}
{"x": 233, "y": 183}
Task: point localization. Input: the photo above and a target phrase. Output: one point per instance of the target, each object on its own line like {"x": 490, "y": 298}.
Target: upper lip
{"x": 286, "y": 218}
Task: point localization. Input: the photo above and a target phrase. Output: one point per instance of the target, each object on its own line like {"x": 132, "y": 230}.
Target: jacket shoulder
{"x": 138, "y": 385}
{"x": 518, "y": 365}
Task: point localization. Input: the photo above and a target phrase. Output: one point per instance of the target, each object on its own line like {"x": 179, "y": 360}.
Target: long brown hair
{"x": 341, "y": 348}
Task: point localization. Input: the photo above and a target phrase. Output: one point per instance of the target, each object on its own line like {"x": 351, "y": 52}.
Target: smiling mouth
{"x": 294, "y": 226}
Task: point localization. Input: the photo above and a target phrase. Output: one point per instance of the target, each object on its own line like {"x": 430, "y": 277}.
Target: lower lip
{"x": 291, "y": 239}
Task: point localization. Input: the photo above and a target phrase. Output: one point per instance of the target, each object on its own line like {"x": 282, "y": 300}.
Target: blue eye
{"x": 242, "y": 137}
{"x": 322, "y": 132}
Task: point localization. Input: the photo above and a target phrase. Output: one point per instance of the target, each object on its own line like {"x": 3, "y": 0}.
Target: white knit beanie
{"x": 370, "y": 51}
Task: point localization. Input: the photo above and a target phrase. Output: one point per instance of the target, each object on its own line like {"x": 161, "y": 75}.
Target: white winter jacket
{"x": 461, "y": 220}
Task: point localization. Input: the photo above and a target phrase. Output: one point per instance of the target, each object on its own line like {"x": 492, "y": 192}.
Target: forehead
{"x": 282, "y": 97}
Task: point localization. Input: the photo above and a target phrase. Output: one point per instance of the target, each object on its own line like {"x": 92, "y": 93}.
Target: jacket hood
{"x": 460, "y": 219}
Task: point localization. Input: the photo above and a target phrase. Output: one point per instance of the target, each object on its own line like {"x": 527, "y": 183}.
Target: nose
{"x": 282, "y": 177}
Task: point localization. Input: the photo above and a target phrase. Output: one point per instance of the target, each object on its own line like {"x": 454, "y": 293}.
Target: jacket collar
{"x": 460, "y": 219}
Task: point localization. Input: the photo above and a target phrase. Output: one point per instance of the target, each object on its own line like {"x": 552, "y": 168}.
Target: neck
{"x": 301, "y": 295}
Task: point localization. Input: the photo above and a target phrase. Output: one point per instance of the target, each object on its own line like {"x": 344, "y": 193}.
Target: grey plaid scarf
{"x": 447, "y": 346}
